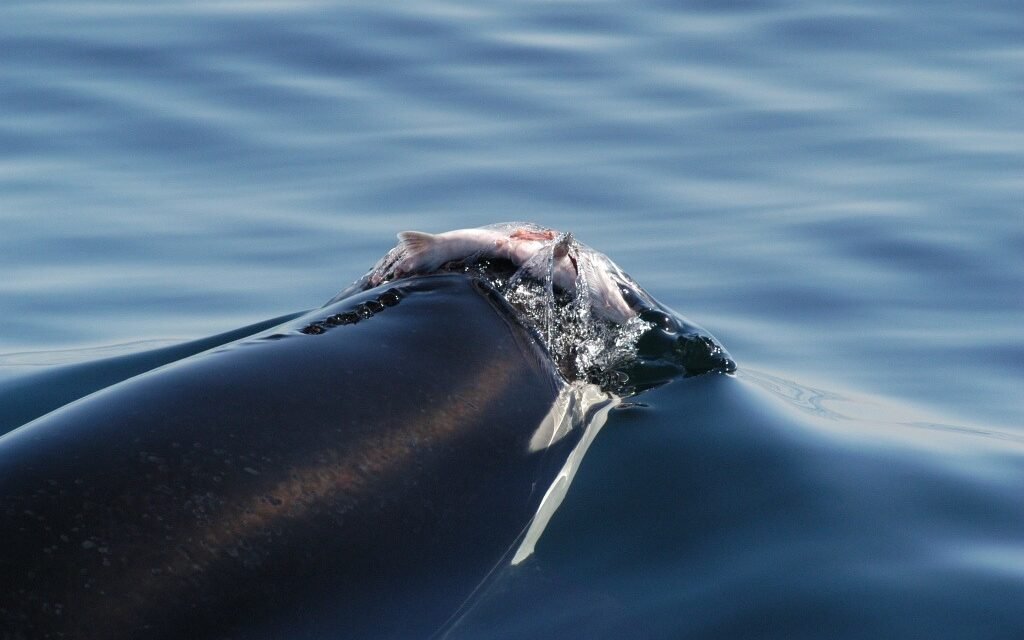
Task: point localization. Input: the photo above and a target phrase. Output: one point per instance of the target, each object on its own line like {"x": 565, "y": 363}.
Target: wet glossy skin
{"x": 360, "y": 476}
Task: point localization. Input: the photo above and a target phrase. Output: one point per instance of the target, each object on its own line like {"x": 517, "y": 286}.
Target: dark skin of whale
{"x": 27, "y": 396}
{"x": 356, "y": 472}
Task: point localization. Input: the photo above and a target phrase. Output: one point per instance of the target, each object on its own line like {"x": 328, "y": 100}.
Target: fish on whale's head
{"x": 594, "y": 319}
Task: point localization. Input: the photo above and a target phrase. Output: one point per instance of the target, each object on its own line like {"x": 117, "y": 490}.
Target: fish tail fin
{"x": 420, "y": 254}
{"x": 416, "y": 241}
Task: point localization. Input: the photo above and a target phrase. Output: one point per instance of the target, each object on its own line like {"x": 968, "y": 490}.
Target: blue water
{"x": 835, "y": 190}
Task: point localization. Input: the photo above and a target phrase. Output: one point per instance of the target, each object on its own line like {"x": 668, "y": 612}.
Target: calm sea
{"x": 834, "y": 189}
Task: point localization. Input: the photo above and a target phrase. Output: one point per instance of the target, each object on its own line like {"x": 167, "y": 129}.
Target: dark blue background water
{"x": 833, "y": 189}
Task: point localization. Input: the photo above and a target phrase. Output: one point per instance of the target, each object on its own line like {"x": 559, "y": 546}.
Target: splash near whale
{"x": 359, "y": 469}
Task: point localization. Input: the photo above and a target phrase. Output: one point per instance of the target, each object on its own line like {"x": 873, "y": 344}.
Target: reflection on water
{"x": 878, "y": 422}
{"x": 56, "y": 357}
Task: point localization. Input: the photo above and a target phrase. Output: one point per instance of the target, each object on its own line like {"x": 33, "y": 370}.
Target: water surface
{"x": 833, "y": 189}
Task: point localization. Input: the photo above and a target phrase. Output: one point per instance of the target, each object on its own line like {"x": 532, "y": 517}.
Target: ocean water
{"x": 835, "y": 190}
